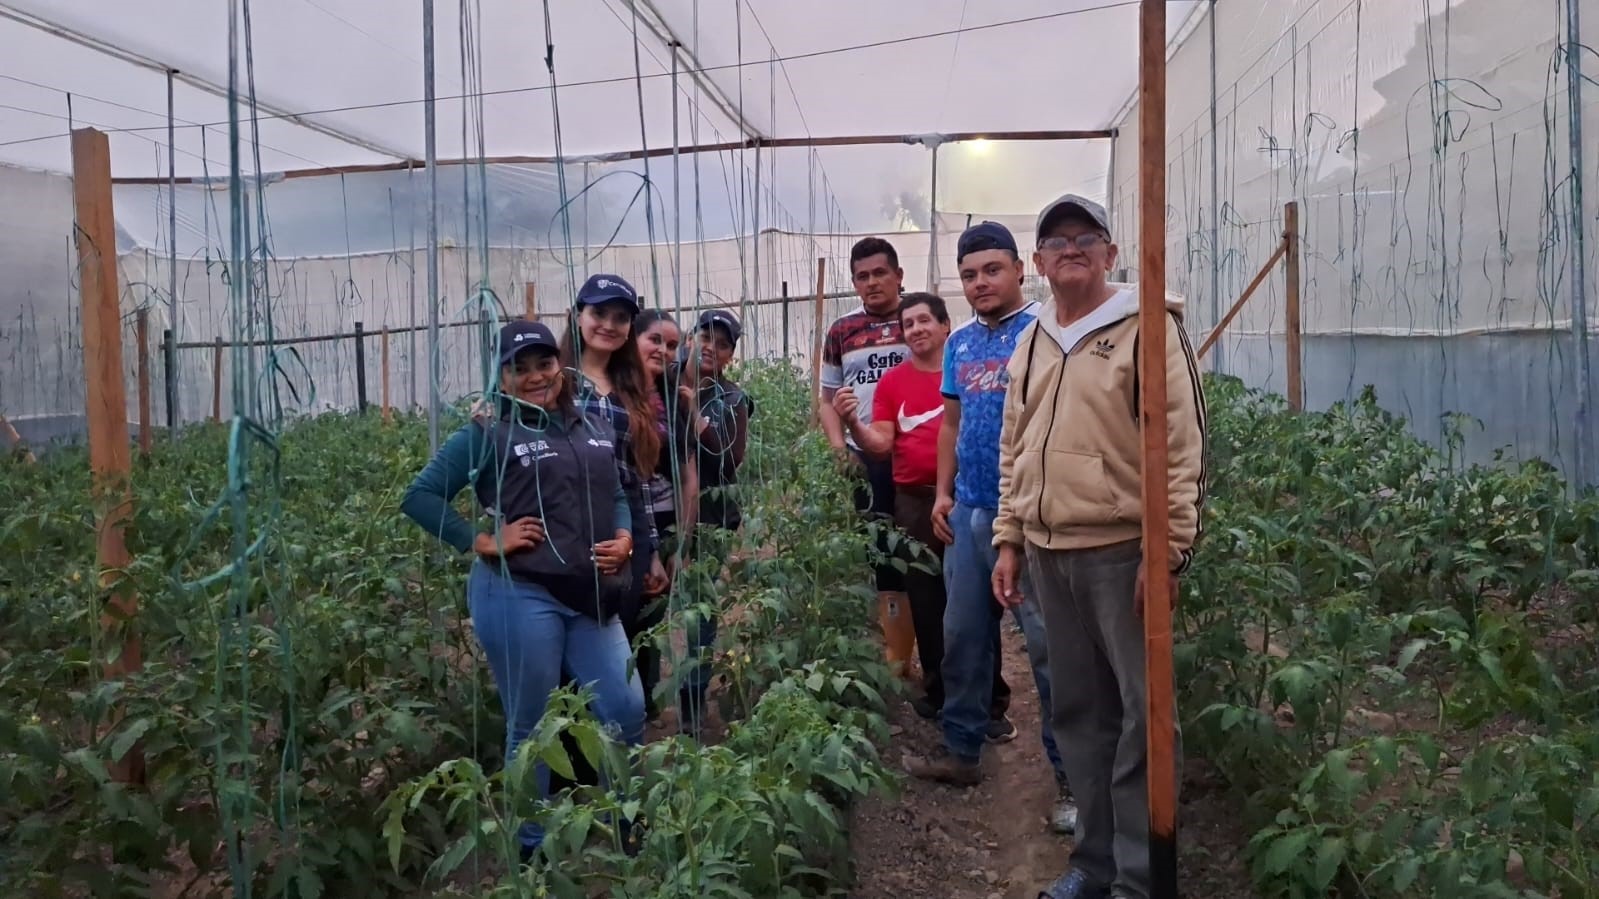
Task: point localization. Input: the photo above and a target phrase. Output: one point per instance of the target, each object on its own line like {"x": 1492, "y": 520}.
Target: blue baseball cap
{"x": 606, "y": 289}
{"x": 720, "y": 318}
{"x": 984, "y": 236}
{"x": 520, "y": 335}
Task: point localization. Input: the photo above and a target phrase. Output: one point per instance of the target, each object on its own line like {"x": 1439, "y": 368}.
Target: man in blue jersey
{"x": 975, "y": 360}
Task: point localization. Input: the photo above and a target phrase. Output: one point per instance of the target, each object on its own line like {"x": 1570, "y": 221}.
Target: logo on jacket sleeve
{"x": 1102, "y": 348}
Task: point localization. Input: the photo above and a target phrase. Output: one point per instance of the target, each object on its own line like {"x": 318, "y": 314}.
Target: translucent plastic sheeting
{"x": 974, "y": 75}
{"x": 343, "y": 250}
{"x": 340, "y": 82}
{"x": 1429, "y": 150}
{"x": 337, "y": 214}
{"x": 349, "y": 71}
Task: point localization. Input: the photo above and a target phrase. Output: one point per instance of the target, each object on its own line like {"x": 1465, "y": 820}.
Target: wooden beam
{"x": 1160, "y": 734}
{"x": 820, "y": 331}
{"x": 142, "y": 337}
{"x": 1296, "y": 384}
{"x": 1238, "y": 305}
{"x": 530, "y": 301}
{"x": 849, "y": 140}
{"x": 106, "y": 407}
{"x": 388, "y": 414}
{"x": 216, "y": 381}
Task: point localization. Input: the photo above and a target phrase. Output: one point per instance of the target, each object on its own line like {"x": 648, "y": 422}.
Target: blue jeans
{"x": 971, "y": 632}
{"x": 528, "y": 636}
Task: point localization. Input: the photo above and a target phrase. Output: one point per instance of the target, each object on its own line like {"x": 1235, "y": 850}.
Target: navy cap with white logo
{"x": 984, "y": 236}
{"x": 720, "y": 318}
{"x": 605, "y": 289}
{"x": 520, "y": 335}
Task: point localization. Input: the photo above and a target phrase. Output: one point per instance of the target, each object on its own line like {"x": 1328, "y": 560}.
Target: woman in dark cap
{"x": 720, "y": 421}
{"x": 601, "y": 352}
{"x": 541, "y": 593}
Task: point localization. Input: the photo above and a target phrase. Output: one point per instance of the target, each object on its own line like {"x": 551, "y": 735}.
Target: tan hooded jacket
{"x": 1070, "y": 451}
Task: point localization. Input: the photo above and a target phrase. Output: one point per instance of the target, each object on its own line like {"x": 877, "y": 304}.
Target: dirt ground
{"x": 993, "y": 841}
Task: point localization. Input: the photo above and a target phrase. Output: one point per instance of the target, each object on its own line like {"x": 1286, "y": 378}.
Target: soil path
{"x": 993, "y": 841}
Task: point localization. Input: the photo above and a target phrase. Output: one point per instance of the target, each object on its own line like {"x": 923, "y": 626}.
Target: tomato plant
{"x": 1388, "y": 653}
{"x": 284, "y": 714}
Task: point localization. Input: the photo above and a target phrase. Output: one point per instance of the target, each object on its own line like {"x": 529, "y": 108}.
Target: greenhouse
{"x": 260, "y": 276}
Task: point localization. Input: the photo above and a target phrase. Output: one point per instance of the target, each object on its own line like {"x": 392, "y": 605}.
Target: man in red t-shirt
{"x": 907, "y": 408}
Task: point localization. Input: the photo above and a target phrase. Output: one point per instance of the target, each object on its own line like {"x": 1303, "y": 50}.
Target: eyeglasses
{"x": 1084, "y": 242}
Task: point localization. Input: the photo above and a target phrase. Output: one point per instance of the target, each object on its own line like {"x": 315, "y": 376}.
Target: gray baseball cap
{"x": 1070, "y": 203}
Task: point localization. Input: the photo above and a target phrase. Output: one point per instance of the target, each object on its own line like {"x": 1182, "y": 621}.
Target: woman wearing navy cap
{"x": 541, "y": 592}
{"x": 612, "y": 382}
{"x": 721, "y": 425}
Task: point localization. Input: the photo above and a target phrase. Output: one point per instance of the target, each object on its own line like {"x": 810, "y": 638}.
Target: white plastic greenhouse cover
{"x": 340, "y": 82}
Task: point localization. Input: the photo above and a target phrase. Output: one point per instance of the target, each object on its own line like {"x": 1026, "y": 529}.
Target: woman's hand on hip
{"x": 514, "y": 536}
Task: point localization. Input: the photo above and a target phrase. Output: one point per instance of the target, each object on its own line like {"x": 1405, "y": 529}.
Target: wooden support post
{"x": 142, "y": 334}
{"x": 360, "y": 368}
{"x": 1296, "y": 384}
{"x": 820, "y": 328}
{"x": 169, "y": 358}
{"x": 216, "y": 382}
{"x": 531, "y": 301}
{"x": 110, "y": 455}
{"x": 785, "y": 320}
{"x": 1161, "y": 732}
{"x": 388, "y": 414}
{"x": 16, "y": 439}
{"x": 1238, "y": 305}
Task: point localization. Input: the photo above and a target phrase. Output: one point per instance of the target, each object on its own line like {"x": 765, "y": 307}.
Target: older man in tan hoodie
{"x": 1070, "y": 506}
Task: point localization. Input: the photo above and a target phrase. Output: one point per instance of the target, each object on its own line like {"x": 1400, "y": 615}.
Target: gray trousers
{"x": 1096, "y": 670}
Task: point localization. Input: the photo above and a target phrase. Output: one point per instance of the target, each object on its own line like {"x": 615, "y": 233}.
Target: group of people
{"x": 1009, "y": 447}
{"x": 596, "y": 457}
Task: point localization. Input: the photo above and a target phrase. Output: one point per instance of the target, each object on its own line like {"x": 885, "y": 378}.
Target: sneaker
{"x": 1063, "y": 816}
{"x": 1000, "y": 730}
{"x": 944, "y": 767}
{"x": 924, "y": 708}
{"x": 1074, "y": 884}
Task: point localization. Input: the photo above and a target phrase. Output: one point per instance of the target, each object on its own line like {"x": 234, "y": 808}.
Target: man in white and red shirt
{"x": 861, "y": 346}
{"x": 907, "y": 409}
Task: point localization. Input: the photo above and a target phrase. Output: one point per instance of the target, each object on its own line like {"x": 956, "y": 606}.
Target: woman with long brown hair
{"x": 600, "y": 349}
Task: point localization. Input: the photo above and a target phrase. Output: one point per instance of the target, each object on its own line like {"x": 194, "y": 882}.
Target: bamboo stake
{"x": 106, "y": 410}
{"x": 1296, "y": 384}
{"x": 1260, "y": 278}
{"x": 216, "y": 381}
{"x": 1160, "y": 735}
{"x": 388, "y": 415}
{"x": 819, "y": 326}
{"x": 142, "y": 335}
{"x": 528, "y": 298}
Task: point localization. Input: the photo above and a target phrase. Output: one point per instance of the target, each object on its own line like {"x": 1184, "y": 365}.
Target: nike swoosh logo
{"x": 912, "y": 422}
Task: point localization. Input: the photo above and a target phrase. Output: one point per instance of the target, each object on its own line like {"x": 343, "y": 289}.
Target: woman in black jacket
{"x": 542, "y": 592}
{"x": 720, "y": 421}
